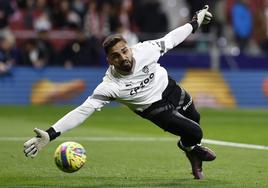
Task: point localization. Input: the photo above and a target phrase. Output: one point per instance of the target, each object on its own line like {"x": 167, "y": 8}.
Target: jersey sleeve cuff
{"x": 194, "y": 25}
{"x": 52, "y": 133}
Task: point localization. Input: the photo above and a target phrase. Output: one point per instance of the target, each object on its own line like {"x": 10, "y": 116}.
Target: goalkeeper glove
{"x": 201, "y": 17}
{"x": 35, "y": 144}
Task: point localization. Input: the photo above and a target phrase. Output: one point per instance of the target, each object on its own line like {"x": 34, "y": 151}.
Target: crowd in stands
{"x": 69, "y": 33}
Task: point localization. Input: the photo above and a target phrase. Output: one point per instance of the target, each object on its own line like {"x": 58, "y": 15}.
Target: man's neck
{"x": 123, "y": 73}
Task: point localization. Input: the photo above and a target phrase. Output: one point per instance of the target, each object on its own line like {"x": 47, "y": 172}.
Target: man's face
{"x": 121, "y": 57}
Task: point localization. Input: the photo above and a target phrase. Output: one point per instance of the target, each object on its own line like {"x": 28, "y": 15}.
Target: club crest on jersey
{"x": 145, "y": 69}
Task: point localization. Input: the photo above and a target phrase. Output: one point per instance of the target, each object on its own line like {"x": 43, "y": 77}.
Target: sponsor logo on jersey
{"x": 128, "y": 84}
{"x": 144, "y": 83}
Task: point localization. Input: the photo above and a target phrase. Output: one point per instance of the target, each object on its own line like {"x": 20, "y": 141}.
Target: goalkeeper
{"x": 136, "y": 79}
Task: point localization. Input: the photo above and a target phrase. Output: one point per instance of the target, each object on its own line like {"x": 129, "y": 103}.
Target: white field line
{"x": 234, "y": 144}
{"x": 144, "y": 139}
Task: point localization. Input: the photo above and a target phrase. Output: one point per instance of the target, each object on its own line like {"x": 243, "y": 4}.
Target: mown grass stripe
{"x": 145, "y": 139}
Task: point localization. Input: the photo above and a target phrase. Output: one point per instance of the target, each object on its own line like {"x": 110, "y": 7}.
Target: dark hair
{"x": 112, "y": 40}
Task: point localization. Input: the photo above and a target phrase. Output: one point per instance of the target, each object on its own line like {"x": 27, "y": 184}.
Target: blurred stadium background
{"x": 51, "y": 60}
{"x": 50, "y": 51}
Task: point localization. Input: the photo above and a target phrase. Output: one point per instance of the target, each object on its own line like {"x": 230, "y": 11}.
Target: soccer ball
{"x": 70, "y": 156}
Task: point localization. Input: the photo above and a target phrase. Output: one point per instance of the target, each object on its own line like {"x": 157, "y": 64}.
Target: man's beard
{"x": 126, "y": 66}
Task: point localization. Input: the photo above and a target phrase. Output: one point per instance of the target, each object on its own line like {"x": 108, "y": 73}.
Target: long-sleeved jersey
{"x": 137, "y": 90}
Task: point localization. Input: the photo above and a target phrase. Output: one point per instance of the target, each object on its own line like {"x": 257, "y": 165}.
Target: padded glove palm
{"x": 35, "y": 144}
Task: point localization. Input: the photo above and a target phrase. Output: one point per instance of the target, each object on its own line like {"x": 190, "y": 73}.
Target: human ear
{"x": 109, "y": 61}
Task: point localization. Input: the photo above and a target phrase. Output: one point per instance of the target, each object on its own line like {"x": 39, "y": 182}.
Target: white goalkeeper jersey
{"x": 137, "y": 90}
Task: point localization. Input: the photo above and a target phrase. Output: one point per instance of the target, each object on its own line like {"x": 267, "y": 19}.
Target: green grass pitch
{"x": 133, "y": 163}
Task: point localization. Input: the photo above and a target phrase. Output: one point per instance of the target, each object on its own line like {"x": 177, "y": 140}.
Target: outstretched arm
{"x": 178, "y": 35}
{"x": 69, "y": 121}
